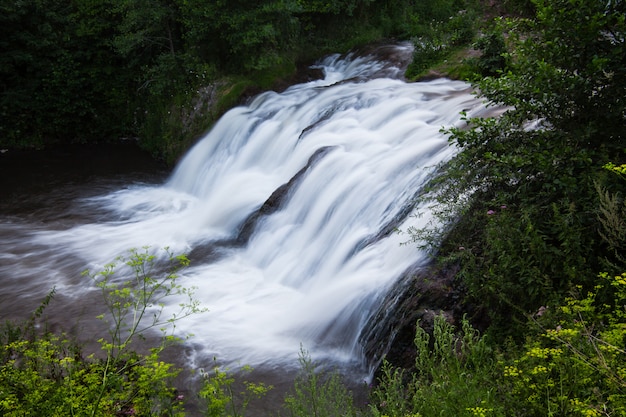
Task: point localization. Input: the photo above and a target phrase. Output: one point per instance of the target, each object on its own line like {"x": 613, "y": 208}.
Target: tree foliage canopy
{"x": 96, "y": 70}
{"x": 526, "y": 182}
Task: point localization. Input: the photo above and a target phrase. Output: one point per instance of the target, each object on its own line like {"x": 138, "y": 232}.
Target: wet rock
{"x": 278, "y": 197}
{"x": 423, "y": 293}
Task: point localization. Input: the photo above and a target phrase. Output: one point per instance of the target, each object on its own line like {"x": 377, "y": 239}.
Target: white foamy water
{"x": 311, "y": 271}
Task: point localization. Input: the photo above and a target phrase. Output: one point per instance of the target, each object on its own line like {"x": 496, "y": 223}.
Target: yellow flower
{"x": 539, "y": 370}
{"x": 479, "y": 411}
{"x": 511, "y": 371}
{"x": 584, "y": 409}
{"x": 538, "y": 352}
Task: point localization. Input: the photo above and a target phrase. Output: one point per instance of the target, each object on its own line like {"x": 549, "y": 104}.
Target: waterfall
{"x": 292, "y": 209}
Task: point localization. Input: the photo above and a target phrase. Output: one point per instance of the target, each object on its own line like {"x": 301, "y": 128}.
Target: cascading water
{"x": 289, "y": 208}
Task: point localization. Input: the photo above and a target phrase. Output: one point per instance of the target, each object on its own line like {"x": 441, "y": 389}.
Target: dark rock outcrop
{"x": 424, "y": 292}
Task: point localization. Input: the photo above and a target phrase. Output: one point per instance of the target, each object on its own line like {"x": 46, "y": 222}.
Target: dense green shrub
{"x": 573, "y": 364}
{"x": 439, "y": 30}
{"x": 576, "y": 365}
{"x": 220, "y": 398}
{"x": 519, "y": 201}
{"x": 493, "y": 58}
{"x": 319, "y": 394}
{"x": 454, "y": 374}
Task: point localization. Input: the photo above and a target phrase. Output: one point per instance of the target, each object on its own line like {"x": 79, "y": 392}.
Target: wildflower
{"x": 539, "y": 370}
{"x": 503, "y": 207}
{"x": 479, "y": 411}
{"x": 490, "y": 212}
{"x": 537, "y": 352}
{"x": 511, "y": 371}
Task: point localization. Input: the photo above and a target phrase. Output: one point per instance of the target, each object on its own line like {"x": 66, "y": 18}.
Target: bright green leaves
{"x": 618, "y": 169}
{"x": 576, "y": 366}
{"x": 136, "y": 303}
{"x": 221, "y": 398}
{"x": 317, "y": 393}
{"x": 135, "y": 307}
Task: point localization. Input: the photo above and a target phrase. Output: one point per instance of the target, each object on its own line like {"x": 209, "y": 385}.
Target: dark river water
{"x": 45, "y": 190}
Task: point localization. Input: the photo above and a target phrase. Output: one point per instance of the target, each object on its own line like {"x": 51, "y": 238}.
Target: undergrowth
{"x": 572, "y": 365}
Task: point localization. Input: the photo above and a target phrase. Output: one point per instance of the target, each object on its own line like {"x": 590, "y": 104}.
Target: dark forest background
{"x": 162, "y": 71}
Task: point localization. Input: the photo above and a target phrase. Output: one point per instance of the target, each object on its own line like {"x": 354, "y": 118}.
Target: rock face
{"x": 422, "y": 294}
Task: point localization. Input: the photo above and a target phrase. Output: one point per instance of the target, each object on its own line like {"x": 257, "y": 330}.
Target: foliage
{"x": 493, "y": 59}
{"x": 318, "y": 394}
{"x": 563, "y": 103}
{"x": 58, "y": 76}
{"x": 438, "y": 28}
{"x": 573, "y": 366}
{"x": 612, "y": 217}
{"x": 221, "y": 400}
{"x": 86, "y": 71}
{"x": 518, "y": 7}
{"x": 238, "y": 36}
{"x": 576, "y": 366}
{"x": 618, "y": 169}
{"x": 130, "y": 303}
{"x": 454, "y": 375}
{"x": 47, "y": 374}
{"x": 529, "y": 216}
{"x": 146, "y": 28}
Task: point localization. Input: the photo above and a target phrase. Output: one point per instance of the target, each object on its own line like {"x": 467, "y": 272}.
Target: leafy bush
{"x": 577, "y": 365}
{"x": 219, "y": 396}
{"x": 437, "y": 39}
{"x": 492, "y": 60}
{"x": 454, "y": 375}
{"x": 319, "y": 394}
{"x": 561, "y": 113}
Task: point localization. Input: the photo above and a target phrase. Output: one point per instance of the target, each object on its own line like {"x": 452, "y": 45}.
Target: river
{"x": 291, "y": 209}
